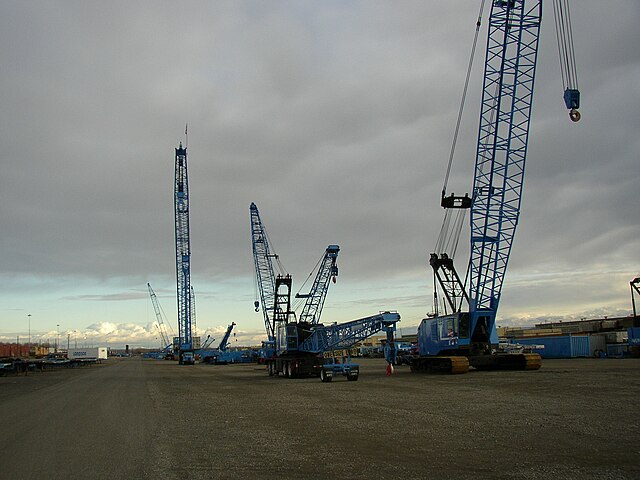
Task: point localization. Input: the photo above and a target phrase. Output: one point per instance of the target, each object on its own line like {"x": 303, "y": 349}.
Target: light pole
{"x": 58, "y": 337}
{"x": 29, "y": 317}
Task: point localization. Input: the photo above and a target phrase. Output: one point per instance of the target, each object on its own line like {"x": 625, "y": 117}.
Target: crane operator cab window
{"x": 463, "y": 325}
{"x": 292, "y": 336}
{"x": 451, "y": 327}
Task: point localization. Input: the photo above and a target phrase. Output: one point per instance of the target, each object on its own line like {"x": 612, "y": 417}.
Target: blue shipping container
{"x": 562, "y": 346}
{"x": 581, "y": 346}
{"x": 634, "y": 336}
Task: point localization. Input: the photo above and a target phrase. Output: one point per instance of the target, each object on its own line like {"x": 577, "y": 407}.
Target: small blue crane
{"x": 224, "y": 343}
{"x": 218, "y": 355}
{"x": 307, "y": 347}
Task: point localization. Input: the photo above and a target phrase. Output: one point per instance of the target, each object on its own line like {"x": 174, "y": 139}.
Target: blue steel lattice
{"x": 183, "y": 248}
{"x": 315, "y": 299}
{"x": 510, "y": 65}
{"x": 265, "y": 275}
{"x": 346, "y": 335}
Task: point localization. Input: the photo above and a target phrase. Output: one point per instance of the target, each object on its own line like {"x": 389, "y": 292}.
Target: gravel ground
{"x": 573, "y": 419}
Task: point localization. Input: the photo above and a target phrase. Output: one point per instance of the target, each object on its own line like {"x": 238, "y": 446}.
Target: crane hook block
{"x": 257, "y": 305}
{"x": 572, "y": 101}
{"x": 572, "y": 98}
{"x": 574, "y": 115}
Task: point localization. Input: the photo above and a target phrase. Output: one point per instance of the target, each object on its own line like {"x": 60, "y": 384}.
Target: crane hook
{"x": 574, "y": 115}
{"x": 257, "y": 305}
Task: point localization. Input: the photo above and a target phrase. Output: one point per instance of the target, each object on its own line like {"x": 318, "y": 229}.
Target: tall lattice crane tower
{"x": 183, "y": 253}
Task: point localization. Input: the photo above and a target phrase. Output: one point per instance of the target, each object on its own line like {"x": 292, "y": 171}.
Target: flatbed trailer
{"x": 303, "y": 365}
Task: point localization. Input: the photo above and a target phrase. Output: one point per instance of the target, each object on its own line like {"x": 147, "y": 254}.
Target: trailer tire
{"x": 324, "y": 377}
{"x": 352, "y": 377}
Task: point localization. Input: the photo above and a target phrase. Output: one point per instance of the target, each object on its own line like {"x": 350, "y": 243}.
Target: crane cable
{"x": 443, "y": 237}
{"x": 464, "y": 97}
{"x": 257, "y": 289}
{"x": 299, "y": 300}
{"x": 566, "y": 53}
{"x": 281, "y": 270}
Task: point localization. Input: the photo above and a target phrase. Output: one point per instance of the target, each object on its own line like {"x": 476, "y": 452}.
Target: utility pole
{"x": 29, "y": 317}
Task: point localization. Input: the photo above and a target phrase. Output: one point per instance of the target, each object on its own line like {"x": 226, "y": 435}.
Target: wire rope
{"x": 566, "y": 50}
{"x": 300, "y": 300}
{"x": 463, "y": 99}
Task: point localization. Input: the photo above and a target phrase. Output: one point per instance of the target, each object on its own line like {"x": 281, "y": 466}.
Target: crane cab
{"x": 444, "y": 334}
{"x": 461, "y": 333}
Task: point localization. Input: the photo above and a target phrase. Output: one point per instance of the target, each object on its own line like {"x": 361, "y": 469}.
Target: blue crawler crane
{"x": 465, "y": 334}
{"x": 217, "y": 355}
{"x": 304, "y": 347}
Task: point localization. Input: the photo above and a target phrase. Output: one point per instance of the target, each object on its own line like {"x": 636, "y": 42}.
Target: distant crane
{"x": 207, "y": 343}
{"x": 162, "y": 328}
{"x": 306, "y": 347}
{"x": 213, "y": 355}
{"x": 265, "y": 274}
{"x": 183, "y": 257}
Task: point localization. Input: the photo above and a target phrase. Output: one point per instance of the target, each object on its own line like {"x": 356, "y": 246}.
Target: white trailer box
{"x": 95, "y": 353}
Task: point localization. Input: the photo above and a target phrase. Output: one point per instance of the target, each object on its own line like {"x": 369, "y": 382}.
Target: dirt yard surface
{"x": 150, "y": 419}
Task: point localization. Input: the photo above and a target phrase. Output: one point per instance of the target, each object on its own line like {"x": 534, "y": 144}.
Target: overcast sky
{"x": 334, "y": 117}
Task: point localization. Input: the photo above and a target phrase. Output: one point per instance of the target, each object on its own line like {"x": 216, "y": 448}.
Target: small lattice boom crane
{"x": 299, "y": 348}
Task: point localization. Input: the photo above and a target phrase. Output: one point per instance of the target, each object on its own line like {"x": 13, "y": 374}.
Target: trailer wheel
{"x": 352, "y": 377}
{"x": 324, "y": 377}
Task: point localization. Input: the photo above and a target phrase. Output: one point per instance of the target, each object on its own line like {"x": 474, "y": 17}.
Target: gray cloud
{"x": 335, "y": 118}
